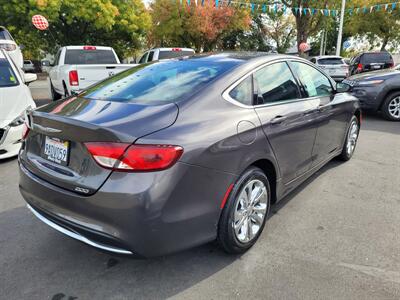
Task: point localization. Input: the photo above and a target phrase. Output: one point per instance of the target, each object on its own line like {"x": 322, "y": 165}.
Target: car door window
{"x": 243, "y": 92}
{"x": 314, "y": 82}
{"x": 144, "y": 58}
{"x": 275, "y": 83}
{"x": 57, "y": 58}
{"x": 151, "y": 54}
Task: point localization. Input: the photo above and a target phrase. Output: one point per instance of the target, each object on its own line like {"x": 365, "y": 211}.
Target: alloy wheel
{"x": 250, "y": 211}
{"x": 394, "y": 108}
{"x": 352, "y": 138}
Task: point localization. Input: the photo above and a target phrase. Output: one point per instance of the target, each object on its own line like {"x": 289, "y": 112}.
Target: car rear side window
{"x": 89, "y": 57}
{"x": 7, "y": 75}
{"x": 174, "y": 54}
{"x": 314, "y": 82}
{"x": 276, "y": 83}
{"x": 330, "y": 61}
{"x": 161, "y": 82}
{"x": 243, "y": 92}
{"x": 151, "y": 54}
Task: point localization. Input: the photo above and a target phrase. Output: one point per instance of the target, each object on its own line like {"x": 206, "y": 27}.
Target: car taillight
{"x": 176, "y": 49}
{"x": 8, "y": 47}
{"x": 25, "y": 131}
{"x": 359, "y": 67}
{"x": 134, "y": 158}
{"x": 89, "y": 48}
{"x": 73, "y": 78}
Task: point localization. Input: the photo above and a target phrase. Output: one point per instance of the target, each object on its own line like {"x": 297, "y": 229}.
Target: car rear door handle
{"x": 323, "y": 108}
{"x": 278, "y": 120}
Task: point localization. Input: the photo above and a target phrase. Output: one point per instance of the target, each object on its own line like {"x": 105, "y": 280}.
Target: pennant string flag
{"x": 278, "y": 7}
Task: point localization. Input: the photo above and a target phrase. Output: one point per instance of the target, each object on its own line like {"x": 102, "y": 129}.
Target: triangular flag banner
{"x": 252, "y": 7}
{"x": 264, "y": 8}
{"x": 216, "y": 3}
{"x": 393, "y": 6}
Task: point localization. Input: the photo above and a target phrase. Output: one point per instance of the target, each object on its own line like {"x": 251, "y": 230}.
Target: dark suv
{"x": 370, "y": 61}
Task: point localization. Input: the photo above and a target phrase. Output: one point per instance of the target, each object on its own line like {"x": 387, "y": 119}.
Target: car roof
{"x": 172, "y": 49}
{"x": 242, "y": 56}
{"x": 82, "y": 47}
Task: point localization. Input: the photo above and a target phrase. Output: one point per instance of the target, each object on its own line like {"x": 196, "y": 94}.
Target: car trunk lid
{"x": 71, "y": 123}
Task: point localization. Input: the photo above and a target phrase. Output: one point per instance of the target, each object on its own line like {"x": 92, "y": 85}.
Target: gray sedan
{"x": 173, "y": 154}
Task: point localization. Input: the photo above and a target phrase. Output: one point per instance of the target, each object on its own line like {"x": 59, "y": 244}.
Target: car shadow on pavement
{"x": 375, "y": 122}
{"x": 41, "y": 263}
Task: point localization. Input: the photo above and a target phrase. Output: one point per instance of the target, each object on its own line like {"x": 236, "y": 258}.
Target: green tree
{"x": 381, "y": 27}
{"x": 309, "y": 24}
{"x": 118, "y": 23}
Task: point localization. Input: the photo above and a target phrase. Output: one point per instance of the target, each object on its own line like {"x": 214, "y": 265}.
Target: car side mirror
{"x": 29, "y": 77}
{"x": 342, "y": 87}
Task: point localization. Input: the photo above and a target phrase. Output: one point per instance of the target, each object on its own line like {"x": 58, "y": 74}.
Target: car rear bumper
{"x": 147, "y": 214}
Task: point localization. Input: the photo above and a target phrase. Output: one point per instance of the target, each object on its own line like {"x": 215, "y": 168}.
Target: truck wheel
{"x": 391, "y": 107}
{"x": 54, "y": 95}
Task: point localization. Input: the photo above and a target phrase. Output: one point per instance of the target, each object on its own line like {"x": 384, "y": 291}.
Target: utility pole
{"x": 339, "y": 39}
{"x": 321, "y": 49}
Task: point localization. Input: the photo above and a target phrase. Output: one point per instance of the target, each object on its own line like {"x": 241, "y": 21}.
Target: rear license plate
{"x": 376, "y": 67}
{"x": 56, "y": 150}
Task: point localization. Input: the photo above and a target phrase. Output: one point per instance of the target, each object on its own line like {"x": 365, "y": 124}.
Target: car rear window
{"x": 7, "y": 75}
{"x": 160, "y": 82}
{"x": 89, "y": 57}
{"x": 330, "y": 61}
{"x": 381, "y": 57}
{"x": 174, "y": 54}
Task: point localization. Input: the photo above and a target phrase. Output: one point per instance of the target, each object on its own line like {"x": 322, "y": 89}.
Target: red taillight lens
{"x": 176, "y": 49}
{"x": 89, "y": 48}
{"x": 131, "y": 158}
{"x": 73, "y": 78}
{"x": 359, "y": 67}
{"x": 25, "y": 131}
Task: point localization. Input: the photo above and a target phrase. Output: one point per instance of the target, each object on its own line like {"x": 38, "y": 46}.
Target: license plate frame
{"x": 56, "y": 150}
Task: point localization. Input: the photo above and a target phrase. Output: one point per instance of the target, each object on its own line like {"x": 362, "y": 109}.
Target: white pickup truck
{"x": 77, "y": 67}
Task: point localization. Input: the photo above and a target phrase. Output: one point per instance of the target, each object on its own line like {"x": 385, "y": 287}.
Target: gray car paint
{"x": 157, "y": 213}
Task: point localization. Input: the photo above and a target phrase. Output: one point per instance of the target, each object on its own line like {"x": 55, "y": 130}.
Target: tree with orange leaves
{"x": 201, "y": 26}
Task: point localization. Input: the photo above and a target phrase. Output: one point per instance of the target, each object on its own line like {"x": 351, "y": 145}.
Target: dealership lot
{"x": 336, "y": 237}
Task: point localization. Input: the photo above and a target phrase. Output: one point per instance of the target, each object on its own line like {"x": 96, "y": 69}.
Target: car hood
{"x": 13, "y": 102}
{"x": 375, "y": 75}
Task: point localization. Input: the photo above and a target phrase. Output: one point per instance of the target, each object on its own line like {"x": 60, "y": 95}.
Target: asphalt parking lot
{"x": 336, "y": 237}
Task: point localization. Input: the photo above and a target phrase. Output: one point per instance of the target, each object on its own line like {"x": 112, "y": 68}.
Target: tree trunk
{"x": 384, "y": 43}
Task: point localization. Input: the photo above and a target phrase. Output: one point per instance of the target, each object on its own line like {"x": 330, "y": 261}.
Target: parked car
{"x": 335, "y": 66}
{"x": 178, "y": 153}
{"x": 77, "y": 67}
{"x": 378, "y": 91}
{"x": 29, "y": 66}
{"x": 7, "y": 43}
{"x": 371, "y": 61}
{"x": 15, "y": 98}
{"x": 165, "y": 53}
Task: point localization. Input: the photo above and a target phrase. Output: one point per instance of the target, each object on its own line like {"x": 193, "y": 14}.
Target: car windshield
{"x": 381, "y": 57}
{"x": 89, "y": 57}
{"x": 7, "y": 75}
{"x": 4, "y": 35}
{"x": 161, "y": 82}
{"x": 330, "y": 61}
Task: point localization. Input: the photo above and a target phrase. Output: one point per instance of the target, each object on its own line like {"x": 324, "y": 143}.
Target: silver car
{"x": 335, "y": 66}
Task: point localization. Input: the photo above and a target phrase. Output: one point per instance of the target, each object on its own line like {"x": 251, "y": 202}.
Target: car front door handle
{"x": 278, "y": 120}
{"x": 323, "y": 108}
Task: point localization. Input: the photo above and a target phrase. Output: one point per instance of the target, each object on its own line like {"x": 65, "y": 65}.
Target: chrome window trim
{"x": 228, "y": 98}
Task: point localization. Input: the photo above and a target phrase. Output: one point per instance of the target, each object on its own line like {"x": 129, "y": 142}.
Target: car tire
{"x": 391, "y": 107}
{"x": 54, "y": 95}
{"x": 351, "y": 139}
{"x": 234, "y": 236}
